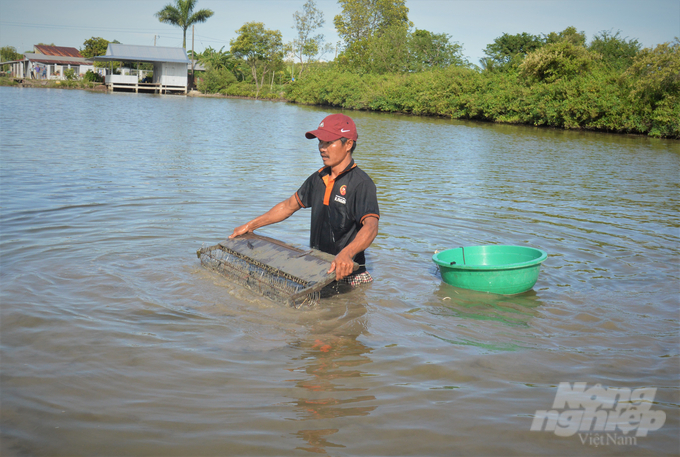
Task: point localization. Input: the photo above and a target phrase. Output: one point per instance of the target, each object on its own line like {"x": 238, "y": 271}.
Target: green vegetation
{"x": 616, "y": 51}
{"x": 48, "y": 83}
{"x": 307, "y": 47}
{"x": 508, "y": 51}
{"x": 7, "y": 54}
{"x": 95, "y": 46}
{"x": 70, "y": 74}
{"x": 366, "y": 26}
{"x": 385, "y": 63}
{"x": 555, "y": 80}
{"x": 92, "y": 77}
{"x": 560, "y": 85}
{"x": 7, "y": 80}
{"x": 182, "y": 15}
{"x": 216, "y": 80}
{"x": 260, "y": 48}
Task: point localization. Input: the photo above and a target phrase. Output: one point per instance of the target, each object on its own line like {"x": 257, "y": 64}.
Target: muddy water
{"x": 114, "y": 341}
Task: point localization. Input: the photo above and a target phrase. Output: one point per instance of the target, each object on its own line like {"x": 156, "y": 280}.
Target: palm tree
{"x": 180, "y": 14}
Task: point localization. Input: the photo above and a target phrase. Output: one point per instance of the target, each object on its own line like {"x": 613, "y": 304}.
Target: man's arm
{"x": 278, "y": 213}
{"x": 343, "y": 265}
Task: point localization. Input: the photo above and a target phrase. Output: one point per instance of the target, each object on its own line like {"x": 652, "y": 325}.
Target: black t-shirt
{"x": 339, "y": 208}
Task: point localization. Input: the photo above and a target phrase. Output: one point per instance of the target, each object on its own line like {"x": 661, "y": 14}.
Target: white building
{"x": 169, "y": 68}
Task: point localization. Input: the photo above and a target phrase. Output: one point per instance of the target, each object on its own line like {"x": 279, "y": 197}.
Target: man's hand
{"x": 240, "y": 231}
{"x": 278, "y": 213}
{"x": 343, "y": 265}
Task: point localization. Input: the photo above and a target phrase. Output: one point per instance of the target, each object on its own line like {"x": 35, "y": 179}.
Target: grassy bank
{"x": 248, "y": 90}
{"x": 47, "y": 83}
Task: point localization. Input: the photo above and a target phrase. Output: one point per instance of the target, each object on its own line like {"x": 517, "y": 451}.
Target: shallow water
{"x": 114, "y": 341}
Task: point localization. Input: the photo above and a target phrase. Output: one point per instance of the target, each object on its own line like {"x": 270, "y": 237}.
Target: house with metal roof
{"x": 50, "y": 62}
{"x": 169, "y": 68}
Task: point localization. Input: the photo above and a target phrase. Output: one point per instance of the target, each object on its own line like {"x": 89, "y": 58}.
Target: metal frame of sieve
{"x": 276, "y": 270}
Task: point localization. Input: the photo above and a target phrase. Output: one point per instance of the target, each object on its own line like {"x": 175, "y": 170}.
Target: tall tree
{"x": 261, "y": 48}
{"x": 8, "y": 53}
{"x": 388, "y": 52}
{"x": 95, "y": 46}
{"x": 398, "y": 50}
{"x": 307, "y": 46}
{"x": 429, "y": 50}
{"x": 182, "y": 15}
{"x": 362, "y": 20}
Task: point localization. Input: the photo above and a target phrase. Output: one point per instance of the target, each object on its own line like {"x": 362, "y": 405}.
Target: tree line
{"x": 384, "y": 62}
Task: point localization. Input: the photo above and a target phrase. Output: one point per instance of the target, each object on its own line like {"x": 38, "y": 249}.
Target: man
{"x": 342, "y": 198}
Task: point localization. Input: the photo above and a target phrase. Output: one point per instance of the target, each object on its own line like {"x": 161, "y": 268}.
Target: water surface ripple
{"x": 114, "y": 341}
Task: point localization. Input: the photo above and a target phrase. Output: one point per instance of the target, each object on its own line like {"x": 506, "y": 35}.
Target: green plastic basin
{"x": 497, "y": 269}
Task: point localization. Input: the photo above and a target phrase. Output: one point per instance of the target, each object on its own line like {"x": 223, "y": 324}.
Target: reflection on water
{"x": 468, "y": 304}
{"x": 113, "y": 337}
{"x": 330, "y": 358}
{"x": 316, "y": 439}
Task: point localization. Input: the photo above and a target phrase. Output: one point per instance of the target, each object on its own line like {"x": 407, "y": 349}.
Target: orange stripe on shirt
{"x": 329, "y": 189}
{"x": 297, "y": 197}
{"x": 369, "y": 215}
{"x": 329, "y": 185}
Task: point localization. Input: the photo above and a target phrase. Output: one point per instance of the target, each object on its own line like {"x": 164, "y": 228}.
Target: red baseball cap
{"x": 334, "y": 127}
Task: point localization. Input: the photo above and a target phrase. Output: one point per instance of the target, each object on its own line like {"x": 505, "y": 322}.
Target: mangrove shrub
{"x": 559, "y": 85}
{"x": 557, "y": 60}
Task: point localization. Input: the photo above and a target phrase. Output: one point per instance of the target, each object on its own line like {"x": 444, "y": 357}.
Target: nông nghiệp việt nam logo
{"x": 582, "y": 410}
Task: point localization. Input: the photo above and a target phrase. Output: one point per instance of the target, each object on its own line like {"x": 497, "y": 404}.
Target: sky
{"x": 472, "y": 23}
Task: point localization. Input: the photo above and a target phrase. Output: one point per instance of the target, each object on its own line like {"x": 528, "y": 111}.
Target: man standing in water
{"x": 342, "y": 198}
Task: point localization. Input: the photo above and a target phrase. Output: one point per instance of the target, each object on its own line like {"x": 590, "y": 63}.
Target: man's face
{"x": 334, "y": 152}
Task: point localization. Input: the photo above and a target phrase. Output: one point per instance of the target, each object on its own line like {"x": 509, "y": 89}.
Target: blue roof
{"x": 133, "y": 53}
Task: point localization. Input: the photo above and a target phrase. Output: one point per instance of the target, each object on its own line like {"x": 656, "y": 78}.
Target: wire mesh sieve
{"x": 276, "y": 270}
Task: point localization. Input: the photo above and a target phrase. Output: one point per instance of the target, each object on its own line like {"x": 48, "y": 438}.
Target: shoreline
{"x": 98, "y": 87}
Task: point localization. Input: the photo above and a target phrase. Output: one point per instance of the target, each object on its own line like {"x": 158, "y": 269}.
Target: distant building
{"x": 169, "y": 68}
{"x": 50, "y": 62}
